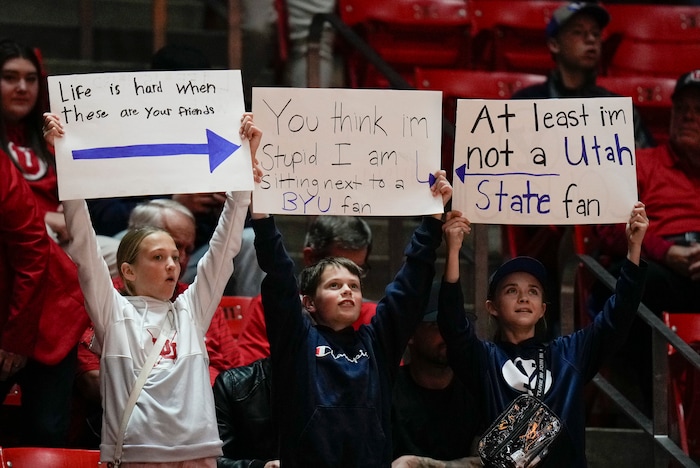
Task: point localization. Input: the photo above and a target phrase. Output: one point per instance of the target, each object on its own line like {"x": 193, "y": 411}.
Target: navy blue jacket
{"x": 332, "y": 389}
{"x": 506, "y": 370}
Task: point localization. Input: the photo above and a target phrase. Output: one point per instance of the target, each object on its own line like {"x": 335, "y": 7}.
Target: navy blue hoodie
{"x": 332, "y": 389}
{"x": 506, "y": 370}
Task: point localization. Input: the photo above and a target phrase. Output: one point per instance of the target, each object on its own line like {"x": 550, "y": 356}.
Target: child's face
{"x": 337, "y": 300}
{"x": 518, "y": 303}
{"x": 156, "y": 269}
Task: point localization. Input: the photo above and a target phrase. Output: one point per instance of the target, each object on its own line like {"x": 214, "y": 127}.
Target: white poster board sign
{"x": 347, "y": 151}
{"x": 545, "y": 161}
{"x": 147, "y": 133}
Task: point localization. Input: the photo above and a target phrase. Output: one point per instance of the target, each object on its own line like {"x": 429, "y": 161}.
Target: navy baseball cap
{"x": 692, "y": 78}
{"x": 564, "y": 13}
{"x": 525, "y": 264}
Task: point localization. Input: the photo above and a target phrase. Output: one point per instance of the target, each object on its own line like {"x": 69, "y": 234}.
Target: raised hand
{"x": 253, "y": 134}
{"x": 52, "y": 128}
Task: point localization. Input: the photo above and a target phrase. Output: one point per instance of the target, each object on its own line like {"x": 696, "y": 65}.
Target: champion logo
{"x": 323, "y": 351}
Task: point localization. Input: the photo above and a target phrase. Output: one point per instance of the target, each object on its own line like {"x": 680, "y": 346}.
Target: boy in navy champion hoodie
{"x": 331, "y": 384}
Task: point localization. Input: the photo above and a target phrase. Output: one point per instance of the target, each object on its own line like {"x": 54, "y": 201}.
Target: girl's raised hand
{"x": 253, "y": 134}
{"x": 52, "y": 128}
{"x": 635, "y": 230}
{"x": 455, "y": 229}
{"x": 637, "y": 224}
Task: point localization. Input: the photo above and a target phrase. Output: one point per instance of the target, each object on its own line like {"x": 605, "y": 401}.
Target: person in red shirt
{"x": 327, "y": 236}
{"x": 41, "y": 315}
{"x": 668, "y": 180}
{"x": 24, "y": 99}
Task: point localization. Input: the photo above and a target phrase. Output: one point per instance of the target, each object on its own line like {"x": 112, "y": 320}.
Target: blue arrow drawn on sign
{"x": 217, "y": 147}
{"x": 461, "y": 172}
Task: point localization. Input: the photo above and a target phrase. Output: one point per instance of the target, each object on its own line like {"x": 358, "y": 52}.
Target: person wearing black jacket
{"x": 244, "y": 414}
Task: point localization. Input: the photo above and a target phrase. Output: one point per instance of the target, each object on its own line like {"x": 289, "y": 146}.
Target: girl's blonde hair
{"x": 129, "y": 248}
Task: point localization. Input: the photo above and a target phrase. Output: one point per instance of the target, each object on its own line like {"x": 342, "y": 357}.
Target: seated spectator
{"x": 434, "y": 416}
{"x": 41, "y": 316}
{"x": 24, "y": 100}
{"x": 668, "y": 180}
{"x": 327, "y": 236}
{"x": 244, "y": 415}
{"x": 575, "y": 39}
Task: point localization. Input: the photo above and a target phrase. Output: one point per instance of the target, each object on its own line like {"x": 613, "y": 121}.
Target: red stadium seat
{"x": 33, "y": 457}
{"x": 456, "y": 84}
{"x": 510, "y": 35}
{"x": 235, "y": 308}
{"x": 408, "y": 33}
{"x": 651, "y": 95}
{"x": 657, "y": 40}
{"x": 684, "y": 384}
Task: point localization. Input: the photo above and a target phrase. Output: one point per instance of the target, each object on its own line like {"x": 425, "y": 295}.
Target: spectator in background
{"x": 327, "y": 236}
{"x": 260, "y": 54}
{"x": 434, "y": 415}
{"x": 247, "y": 428}
{"x": 24, "y": 99}
{"x": 574, "y": 38}
{"x": 668, "y": 180}
{"x": 41, "y": 315}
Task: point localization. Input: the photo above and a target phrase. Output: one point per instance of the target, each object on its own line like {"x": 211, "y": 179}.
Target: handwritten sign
{"x": 144, "y": 133}
{"x": 549, "y": 161}
{"x": 347, "y": 151}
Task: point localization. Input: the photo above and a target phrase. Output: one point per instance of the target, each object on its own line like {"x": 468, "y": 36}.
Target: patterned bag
{"x": 521, "y": 435}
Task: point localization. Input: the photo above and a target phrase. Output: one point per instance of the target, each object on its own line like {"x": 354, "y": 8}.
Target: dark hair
{"x": 346, "y": 232}
{"x": 311, "y": 275}
{"x": 10, "y": 49}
